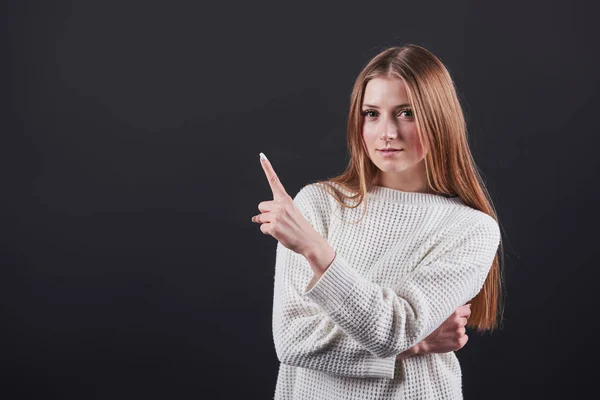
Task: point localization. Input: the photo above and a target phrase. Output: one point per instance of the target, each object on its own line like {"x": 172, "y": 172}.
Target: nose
{"x": 390, "y": 131}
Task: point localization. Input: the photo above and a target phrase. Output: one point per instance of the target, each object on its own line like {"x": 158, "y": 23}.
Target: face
{"x": 388, "y": 122}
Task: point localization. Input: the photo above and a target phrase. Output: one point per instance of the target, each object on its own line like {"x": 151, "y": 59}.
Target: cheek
{"x": 415, "y": 144}
{"x": 367, "y": 141}
{"x": 369, "y": 134}
{"x": 412, "y": 137}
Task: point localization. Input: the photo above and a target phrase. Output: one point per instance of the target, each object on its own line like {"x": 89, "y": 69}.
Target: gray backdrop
{"x": 130, "y": 171}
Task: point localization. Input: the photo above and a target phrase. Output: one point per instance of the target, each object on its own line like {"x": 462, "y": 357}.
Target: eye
{"x": 366, "y": 112}
{"x": 409, "y": 111}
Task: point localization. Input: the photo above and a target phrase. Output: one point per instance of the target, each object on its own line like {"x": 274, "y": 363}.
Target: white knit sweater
{"x": 397, "y": 276}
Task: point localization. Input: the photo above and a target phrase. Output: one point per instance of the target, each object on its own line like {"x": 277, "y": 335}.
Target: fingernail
{"x": 263, "y": 157}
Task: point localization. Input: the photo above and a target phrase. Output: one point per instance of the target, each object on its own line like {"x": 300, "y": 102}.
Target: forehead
{"x": 385, "y": 90}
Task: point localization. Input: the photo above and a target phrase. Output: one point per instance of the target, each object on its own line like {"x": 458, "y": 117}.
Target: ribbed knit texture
{"x": 397, "y": 275}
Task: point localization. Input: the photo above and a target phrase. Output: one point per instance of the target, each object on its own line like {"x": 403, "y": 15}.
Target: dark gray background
{"x": 130, "y": 171}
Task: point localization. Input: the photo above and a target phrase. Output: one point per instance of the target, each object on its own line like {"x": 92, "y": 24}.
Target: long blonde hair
{"x": 449, "y": 164}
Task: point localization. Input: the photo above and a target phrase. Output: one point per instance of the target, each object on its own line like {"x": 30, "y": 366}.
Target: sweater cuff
{"x": 377, "y": 367}
{"x": 334, "y": 286}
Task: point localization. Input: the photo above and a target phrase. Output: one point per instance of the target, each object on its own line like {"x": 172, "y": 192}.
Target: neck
{"x": 409, "y": 181}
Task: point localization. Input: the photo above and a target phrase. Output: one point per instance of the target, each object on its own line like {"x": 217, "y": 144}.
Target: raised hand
{"x": 281, "y": 219}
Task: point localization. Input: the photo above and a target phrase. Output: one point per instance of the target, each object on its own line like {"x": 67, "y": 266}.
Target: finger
{"x": 266, "y": 206}
{"x": 276, "y": 185}
{"x": 261, "y": 218}
{"x": 464, "y": 311}
{"x": 463, "y": 319}
{"x": 463, "y": 340}
{"x": 266, "y": 229}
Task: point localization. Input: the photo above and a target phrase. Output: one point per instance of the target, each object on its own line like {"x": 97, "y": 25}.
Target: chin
{"x": 392, "y": 167}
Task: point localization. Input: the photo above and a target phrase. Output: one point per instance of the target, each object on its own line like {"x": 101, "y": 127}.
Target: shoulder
{"x": 462, "y": 222}
{"x": 313, "y": 199}
{"x": 315, "y": 204}
{"x": 306, "y": 196}
{"x": 486, "y": 222}
{"x": 482, "y": 228}
{"x": 314, "y": 194}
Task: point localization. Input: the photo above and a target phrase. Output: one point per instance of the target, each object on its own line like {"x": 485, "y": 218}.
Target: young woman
{"x": 370, "y": 305}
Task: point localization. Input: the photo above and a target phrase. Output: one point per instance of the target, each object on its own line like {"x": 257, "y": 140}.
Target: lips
{"x": 388, "y": 154}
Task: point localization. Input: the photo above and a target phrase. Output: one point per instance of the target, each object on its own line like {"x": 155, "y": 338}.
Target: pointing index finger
{"x": 276, "y": 186}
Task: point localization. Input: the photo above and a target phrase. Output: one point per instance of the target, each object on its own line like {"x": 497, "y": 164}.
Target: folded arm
{"x": 388, "y": 321}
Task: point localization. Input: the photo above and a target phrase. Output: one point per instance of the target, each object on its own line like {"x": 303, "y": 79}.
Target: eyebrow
{"x": 398, "y": 106}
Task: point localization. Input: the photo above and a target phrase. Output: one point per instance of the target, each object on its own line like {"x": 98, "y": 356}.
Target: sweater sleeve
{"x": 389, "y": 320}
{"x": 304, "y": 335}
